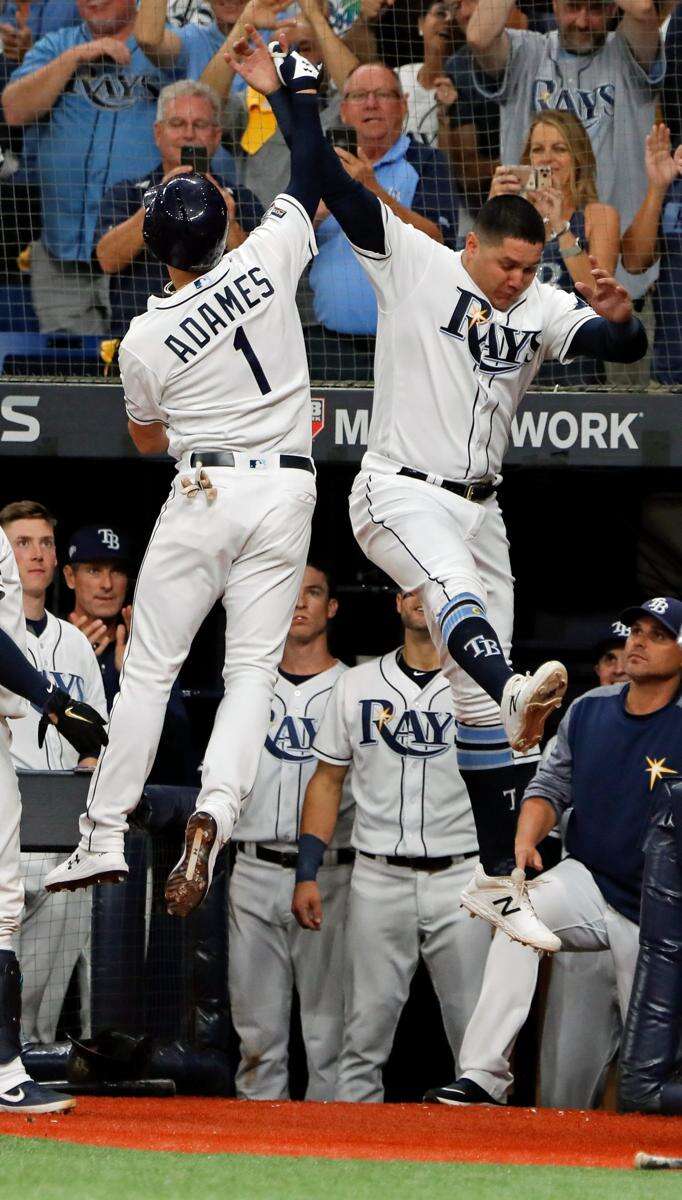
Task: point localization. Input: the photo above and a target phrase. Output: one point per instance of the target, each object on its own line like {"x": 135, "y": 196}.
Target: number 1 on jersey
{"x": 241, "y": 342}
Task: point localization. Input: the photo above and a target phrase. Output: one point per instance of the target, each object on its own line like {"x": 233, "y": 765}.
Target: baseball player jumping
{"x": 214, "y": 373}
{"x": 460, "y": 338}
{"x": 84, "y": 729}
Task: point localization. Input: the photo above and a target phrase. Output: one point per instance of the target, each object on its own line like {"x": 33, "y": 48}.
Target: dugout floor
{"x": 423, "y": 1133}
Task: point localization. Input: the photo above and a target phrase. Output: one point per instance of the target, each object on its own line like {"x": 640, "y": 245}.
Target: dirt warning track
{"x": 370, "y": 1131}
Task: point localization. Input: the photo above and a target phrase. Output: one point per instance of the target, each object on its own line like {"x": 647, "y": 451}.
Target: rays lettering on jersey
{"x": 231, "y": 301}
{"x": 497, "y": 349}
{"x": 293, "y": 739}
{"x": 415, "y": 734}
{"x": 73, "y": 684}
{"x": 589, "y": 106}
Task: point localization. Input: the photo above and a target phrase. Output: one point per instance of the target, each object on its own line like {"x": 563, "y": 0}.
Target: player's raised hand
{"x": 605, "y": 295}
{"x": 251, "y": 59}
{"x": 307, "y": 905}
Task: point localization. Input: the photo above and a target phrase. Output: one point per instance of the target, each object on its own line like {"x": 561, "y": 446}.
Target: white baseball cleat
{"x": 503, "y": 900}
{"x": 527, "y": 701}
{"x": 84, "y": 868}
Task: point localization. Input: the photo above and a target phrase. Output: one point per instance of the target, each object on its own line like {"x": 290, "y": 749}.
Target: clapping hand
{"x": 607, "y": 297}
{"x": 662, "y": 167}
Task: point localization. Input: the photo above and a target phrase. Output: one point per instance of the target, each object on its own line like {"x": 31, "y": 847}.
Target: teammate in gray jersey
{"x": 460, "y": 337}
{"x": 55, "y": 930}
{"x": 609, "y": 81}
{"x": 269, "y": 954}
{"x": 389, "y": 728}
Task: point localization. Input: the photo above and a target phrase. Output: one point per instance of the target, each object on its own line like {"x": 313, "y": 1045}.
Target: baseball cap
{"x": 614, "y": 635}
{"x": 664, "y": 608}
{"x": 98, "y": 543}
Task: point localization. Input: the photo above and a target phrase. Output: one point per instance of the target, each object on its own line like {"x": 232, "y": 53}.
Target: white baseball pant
{"x": 247, "y": 546}
{"x": 425, "y": 537}
{"x": 11, "y": 886}
{"x": 582, "y": 995}
{"x": 569, "y": 902}
{"x": 55, "y": 934}
{"x": 394, "y": 915}
{"x": 269, "y": 955}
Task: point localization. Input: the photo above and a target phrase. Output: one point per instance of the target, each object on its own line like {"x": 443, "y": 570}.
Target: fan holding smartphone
{"x": 558, "y": 174}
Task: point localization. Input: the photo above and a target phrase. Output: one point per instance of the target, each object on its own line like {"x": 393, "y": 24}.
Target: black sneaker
{"x": 32, "y": 1097}
{"x": 462, "y": 1091}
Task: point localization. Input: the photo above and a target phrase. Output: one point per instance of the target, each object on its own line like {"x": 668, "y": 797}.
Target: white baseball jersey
{"x": 451, "y": 371}
{"x": 272, "y": 813}
{"x": 208, "y": 361}
{"x": 12, "y": 621}
{"x": 64, "y": 656}
{"x": 400, "y": 739}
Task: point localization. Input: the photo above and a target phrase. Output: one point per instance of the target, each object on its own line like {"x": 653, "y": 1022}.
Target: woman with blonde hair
{"x": 578, "y": 226}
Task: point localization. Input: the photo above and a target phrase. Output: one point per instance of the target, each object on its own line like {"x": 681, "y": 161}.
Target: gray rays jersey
{"x": 450, "y": 371}
{"x": 400, "y": 739}
{"x": 12, "y": 621}
{"x": 65, "y": 657}
{"x": 207, "y": 361}
{"x": 612, "y": 96}
{"x": 272, "y": 813}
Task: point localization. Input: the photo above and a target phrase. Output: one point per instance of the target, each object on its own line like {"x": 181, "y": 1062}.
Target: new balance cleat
{"x": 84, "y": 868}
{"x": 503, "y": 900}
{"x": 462, "y": 1091}
{"x": 191, "y": 877}
{"x": 527, "y": 701}
{"x": 31, "y": 1097}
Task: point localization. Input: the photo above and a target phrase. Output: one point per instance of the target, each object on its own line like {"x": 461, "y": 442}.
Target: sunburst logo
{"x": 657, "y": 770}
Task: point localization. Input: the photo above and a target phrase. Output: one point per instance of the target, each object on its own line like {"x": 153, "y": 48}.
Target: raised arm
{"x": 34, "y": 95}
{"x": 161, "y": 44}
{"x": 220, "y": 72}
{"x": 615, "y": 334}
{"x": 338, "y": 58}
{"x": 486, "y": 34}
{"x": 640, "y": 246}
{"x": 640, "y": 28}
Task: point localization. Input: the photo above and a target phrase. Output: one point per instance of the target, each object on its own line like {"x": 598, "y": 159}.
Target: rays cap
{"x": 98, "y": 543}
{"x": 664, "y": 608}
{"x": 613, "y": 637}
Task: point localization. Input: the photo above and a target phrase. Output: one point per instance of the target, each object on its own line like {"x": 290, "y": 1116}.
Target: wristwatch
{"x": 574, "y": 250}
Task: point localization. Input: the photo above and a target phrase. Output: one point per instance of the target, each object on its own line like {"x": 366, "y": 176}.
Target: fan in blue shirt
{"x": 88, "y": 95}
{"x": 188, "y": 118}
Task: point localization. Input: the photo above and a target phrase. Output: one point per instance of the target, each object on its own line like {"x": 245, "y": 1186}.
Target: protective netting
{"x": 427, "y": 105}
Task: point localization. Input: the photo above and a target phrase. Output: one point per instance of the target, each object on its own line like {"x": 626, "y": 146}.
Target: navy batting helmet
{"x": 185, "y": 223}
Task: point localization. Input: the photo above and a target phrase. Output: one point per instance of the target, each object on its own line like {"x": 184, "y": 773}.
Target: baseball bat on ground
{"x": 656, "y": 1162}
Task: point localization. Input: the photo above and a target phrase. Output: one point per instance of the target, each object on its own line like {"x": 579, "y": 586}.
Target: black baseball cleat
{"x": 31, "y": 1097}
{"x": 462, "y": 1091}
{"x": 190, "y": 878}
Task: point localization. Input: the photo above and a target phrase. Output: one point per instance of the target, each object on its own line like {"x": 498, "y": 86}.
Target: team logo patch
{"x": 318, "y": 415}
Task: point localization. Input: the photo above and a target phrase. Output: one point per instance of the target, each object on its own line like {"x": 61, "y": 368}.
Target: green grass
{"x": 60, "y": 1171}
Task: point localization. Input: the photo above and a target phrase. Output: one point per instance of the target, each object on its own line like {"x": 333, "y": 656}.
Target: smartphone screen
{"x": 196, "y": 157}
{"x": 345, "y": 139}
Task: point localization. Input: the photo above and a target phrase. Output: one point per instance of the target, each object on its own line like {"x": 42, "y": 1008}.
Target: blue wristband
{"x": 310, "y": 854}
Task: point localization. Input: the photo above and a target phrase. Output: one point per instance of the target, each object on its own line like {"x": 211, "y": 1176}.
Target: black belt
{"x": 289, "y": 858}
{"x": 470, "y": 491}
{"x": 421, "y": 864}
{"x": 225, "y": 458}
